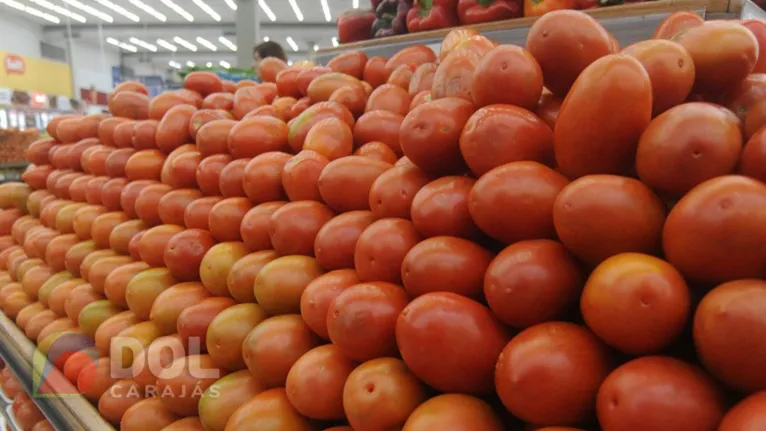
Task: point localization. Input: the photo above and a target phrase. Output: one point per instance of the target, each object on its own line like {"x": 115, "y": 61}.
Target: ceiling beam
{"x": 224, "y": 26}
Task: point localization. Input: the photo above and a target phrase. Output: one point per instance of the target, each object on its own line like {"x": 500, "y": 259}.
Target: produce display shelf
{"x": 629, "y": 23}
{"x": 69, "y": 412}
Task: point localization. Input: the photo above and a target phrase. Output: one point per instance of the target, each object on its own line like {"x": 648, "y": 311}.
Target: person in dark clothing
{"x": 267, "y": 49}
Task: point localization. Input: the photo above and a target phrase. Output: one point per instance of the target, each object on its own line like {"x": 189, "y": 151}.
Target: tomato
{"x": 294, "y": 226}
{"x": 204, "y": 116}
{"x": 379, "y": 126}
{"x": 184, "y": 252}
{"x": 677, "y": 22}
{"x": 552, "y": 350}
{"x": 305, "y": 76}
{"x": 679, "y": 395}
{"x": 724, "y": 53}
{"x": 36, "y": 176}
{"x": 217, "y": 263}
{"x": 507, "y": 74}
{"x": 257, "y": 135}
{"x": 94, "y": 160}
{"x": 345, "y": 183}
{"x": 37, "y": 151}
{"x": 336, "y": 240}
{"x": 392, "y": 193}
{"x": 320, "y": 294}
{"x": 361, "y": 320}
{"x": 283, "y": 107}
{"x": 707, "y": 141}
{"x": 192, "y": 423}
{"x": 748, "y": 93}
{"x": 300, "y": 176}
{"x": 161, "y": 104}
{"x": 147, "y": 203}
{"x": 254, "y": 227}
{"x": 464, "y": 356}
{"x": 375, "y": 72}
{"x": 110, "y": 193}
{"x": 758, "y": 28}
{"x": 225, "y": 217}
{"x": 381, "y": 248}
{"x": 413, "y": 55}
{"x": 129, "y": 104}
{"x": 121, "y": 235}
{"x": 247, "y": 99}
{"x": 95, "y": 379}
{"x": 269, "y": 409}
{"x": 269, "y": 67}
{"x": 303, "y": 123}
{"x": 117, "y": 161}
{"x": 141, "y": 137}
{"x": 145, "y": 165}
{"x": 447, "y": 215}
{"x": 153, "y": 242}
{"x": 203, "y": 82}
{"x": 422, "y": 79}
{"x": 212, "y": 137}
{"x": 67, "y": 130}
{"x": 455, "y": 39}
{"x": 280, "y": 284}
{"x": 584, "y": 148}
{"x": 208, "y": 173}
{"x": 731, "y": 307}
{"x": 219, "y": 100}
{"x": 193, "y": 322}
{"x": 351, "y": 63}
{"x": 670, "y": 68}
{"x": 242, "y": 274}
{"x": 130, "y": 193}
{"x": 273, "y": 347}
{"x": 52, "y": 127}
{"x": 599, "y": 216}
{"x": 755, "y": 119}
{"x": 197, "y": 212}
{"x": 647, "y": 292}
{"x": 381, "y": 393}
{"x": 319, "y": 395}
{"x": 748, "y": 414}
{"x": 323, "y": 86}
{"x": 287, "y": 82}
{"x": 455, "y": 412}
{"x": 331, "y": 137}
{"x": 262, "y": 177}
{"x": 146, "y": 414}
{"x": 390, "y": 98}
{"x": 751, "y": 163}
{"x": 263, "y": 111}
{"x": 377, "y": 151}
{"x": 710, "y": 234}
{"x": 228, "y": 331}
{"x": 188, "y": 375}
{"x": 230, "y": 178}
{"x": 174, "y": 128}
{"x": 115, "y": 284}
{"x": 223, "y": 398}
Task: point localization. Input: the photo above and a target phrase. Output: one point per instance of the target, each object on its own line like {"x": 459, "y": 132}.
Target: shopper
{"x": 267, "y": 49}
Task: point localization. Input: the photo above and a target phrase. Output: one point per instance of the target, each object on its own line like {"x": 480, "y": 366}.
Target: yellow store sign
{"x": 35, "y": 74}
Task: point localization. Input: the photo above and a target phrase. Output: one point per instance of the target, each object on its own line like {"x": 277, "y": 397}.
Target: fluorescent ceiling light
{"x": 297, "y": 10}
{"x": 178, "y": 9}
{"x": 231, "y": 4}
{"x": 174, "y": 64}
{"x": 326, "y": 11}
{"x": 316, "y": 47}
{"x": 207, "y": 44}
{"x": 190, "y": 63}
{"x": 227, "y": 43}
{"x": 142, "y": 44}
{"x": 267, "y": 10}
{"x": 209, "y": 64}
{"x": 335, "y": 41}
{"x": 90, "y": 10}
{"x": 112, "y": 41}
{"x": 207, "y": 9}
{"x": 167, "y": 45}
{"x": 186, "y": 44}
{"x": 40, "y": 14}
{"x": 224, "y": 64}
{"x": 292, "y": 43}
{"x": 59, "y": 10}
{"x": 266, "y": 39}
{"x": 128, "y": 47}
{"x": 119, "y": 9}
{"x": 148, "y": 9}
{"x": 356, "y": 4}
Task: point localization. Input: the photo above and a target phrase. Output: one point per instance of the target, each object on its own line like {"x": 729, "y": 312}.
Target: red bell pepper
{"x": 432, "y": 15}
{"x": 355, "y": 25}
{"x": 478, "y": 11}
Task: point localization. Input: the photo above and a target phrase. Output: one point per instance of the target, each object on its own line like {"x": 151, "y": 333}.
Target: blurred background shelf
{"x": 629, "y": 23}
{"x": 68, "y": 412}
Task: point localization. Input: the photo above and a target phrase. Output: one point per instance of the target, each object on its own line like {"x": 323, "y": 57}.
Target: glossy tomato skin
{"x": 381, "y": 393}
{"x": 731, "y": 308}
{"x": 445, "y": 264}
{"x": 390, "y": 98}
{"x": 670, "y": 69}
{"x": 319, "y": 296}
{"x": 254, "y": 227}
{"x": 361, "y": 320}
{"x": 242, "y": 274}
{"x": 381, "y": 248}
{"x": 379, "y": 126}
{"x": 711, "y": 233}
{"x": 688, "y": 400}
{"x": 758, "y": 28}
{"x": 294, "y": 226}
{"x": 746, "y": 95}
{"x": 466, "y": 362}
{"x": 335, "y": 243}
{"x": 429, "y": 135}
{"x": 319, "y": 395}
{"x": 147, "y": 203}
{"x": 300, "y": 176}
{"x": 391, "y": 195}
{"x": 184, "y": 252}
{"x": 375, "y": 72}
{"x": 707, "y": 141}
{"x": 564, "y": 43}
{"x": 455, "y": 412}
{"x": 172, "y": 206}
{"x": 510, "y": 75}
{"x": 280, "y": 284}
{"x": 208, "y": 173}
{"x": 257, "y": 135}
{"x": 724, "y": 53}
{"x": 247, "y": 99}
{"x": 422, "y": 79}
{"x": 753, "y": 157}
{"x": 677, "y": 22}
{"x": 197, "y": 212}
{"x": 748, "y": 414}
{"x": 598, "y": 216}
{"x": 330, "y": 137}
{"x": 345, "y": 183}
{"x": 302, "y": 124}
{"x": 230, "y": 179}
{"x": 262, "y": 177}
{"x": 497, "y": 199}
{"x": 351, "y": 63}
{"x": 322, "y": 87}
{"x": 554, "y": 350}
{"x": 455, "y": 74}
{"x": 516, "y": 135}
{"x": 637, "y": 303}
{"x": 583, "y": 147}
{"x": 449, "y": 214}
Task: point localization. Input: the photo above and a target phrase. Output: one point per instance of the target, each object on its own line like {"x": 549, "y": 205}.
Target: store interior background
{"x": 98, "y": 65}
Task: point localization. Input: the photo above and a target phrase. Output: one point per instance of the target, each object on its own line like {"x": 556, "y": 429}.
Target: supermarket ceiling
{"x": 204, "y": 30}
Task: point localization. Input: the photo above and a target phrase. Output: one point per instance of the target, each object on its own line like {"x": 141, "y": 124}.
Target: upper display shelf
{"x": 629, "y": 23}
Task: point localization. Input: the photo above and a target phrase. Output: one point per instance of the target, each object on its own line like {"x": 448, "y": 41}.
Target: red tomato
{"x": 345, "y": 183}
{"x": 456, "y": 412}
{"x": 203, "y": 82}
{"x": 300, "y": 176}
{"x": 262, "y": 177}
{"x": 257, "y": 135}
{"x": 379, "y": 126}
{"x": 676, "y": 23}
{"x": 390, "y": 98}
{"x": 413, "y": 55}
{"x": 319, "y": 395}
{"x": 748, "y": 414}
{"x": 230, "y": 179}
{"x": 422, "y": 79}
{"x": 375, "y": 72}
{"x": 255, "y": 226}
{"x": 336, "y": 241}
{"x": 320, "y": 294}
{"x": 294, "y": 226}
{"x": 753, "y": 160}
{"x": 197, "y": 212}
{"x": 269, "y": 68}
{"x": 351, "y": 63}
{"x": 392, "y": 193}
{"x": 441, "y": 208}
{"x": 226, "y": 216}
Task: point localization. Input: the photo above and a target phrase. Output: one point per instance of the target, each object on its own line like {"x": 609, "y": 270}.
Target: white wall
{"x": 92, "y": 67}
{"x": 19, "y": 35}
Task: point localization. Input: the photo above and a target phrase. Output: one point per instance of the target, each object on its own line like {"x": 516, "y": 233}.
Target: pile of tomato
{"x": 566, "y": 236}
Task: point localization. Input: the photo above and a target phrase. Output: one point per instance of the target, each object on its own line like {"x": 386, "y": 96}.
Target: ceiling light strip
{"x": 207, "y": 9}
{"x": 292, "y": 43}
{"x": 267, "y": 10}
{"x": 231, "y": 4}
{"x": 90, "y": 10}
{"x": 59, "y": 10}
{"x": 297, "y": 10}
{"x": 178, "y": 9}
{"x": 207, "y": 44}
{"x": 185, "y": 43}
{"x": 119, "y": 9}
{"x": 167, "y": 45}
{"x": 227, "y": 43}
{"x": 225, "y": 64}
{"x": 148, "y": 9}
{"x": 142, "y": 44}
{"x": 326, "y": 11}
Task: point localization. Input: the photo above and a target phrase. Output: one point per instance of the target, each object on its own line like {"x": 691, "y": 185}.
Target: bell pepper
{"x": 432, "y": 15}
{"x": 391, "y": 18}
{"x": 355, "y": 25}
{"x": 478, "y": 11}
